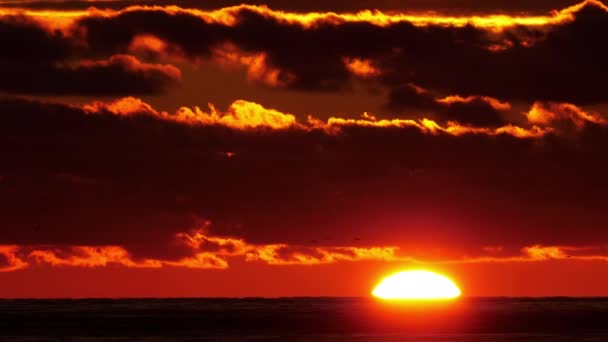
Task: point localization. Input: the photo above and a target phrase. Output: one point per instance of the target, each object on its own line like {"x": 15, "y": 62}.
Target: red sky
{"x": 148, "y": 149}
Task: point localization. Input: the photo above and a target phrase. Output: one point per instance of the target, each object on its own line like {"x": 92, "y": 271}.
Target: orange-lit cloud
{"x": 429, "y": 126}
{"x": 214, "y": 252}
{"x": 256, "y": 64}
{"x": 240, "y": 115}
{"x": 494, "y": 103}
{"x": 284, "y": 254}
{"x": 546, "y": 113}
{"x": 20, "y": 257}
{"x": 132, "y": 64}
{"x": 124, "y": 106}
{"x": 536, "y": 253}
{"x": 361, "y": 67}
{"x": 287, "y": 255}
{"x": 147, "y": 43}
{"x": 11, "y": 262}
{"x": 154, "y": 47}
{"x": 206, "y": 252}
{"x": 88, "y": 256}
{"x": 585, "y": 253}
{"x": 249, "y": 115}
{"x": 229, "y": 16}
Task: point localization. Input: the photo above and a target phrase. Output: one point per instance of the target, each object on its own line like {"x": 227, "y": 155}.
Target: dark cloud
{"x": 119, "y": 75}
{"x": 37, "y": 60}
{"x": 564, "y": 65}
{"x": 560, "y": 62}
{"x": 554, "y": 62}
{"x": 149, "y": 178}
{"x": 25, "y": 42}
{"x": 409, "y": 96}
{"x": 476, "y": 111}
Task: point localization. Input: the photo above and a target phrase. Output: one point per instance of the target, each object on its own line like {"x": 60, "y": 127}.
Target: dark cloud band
{"x": 134, "y": 177}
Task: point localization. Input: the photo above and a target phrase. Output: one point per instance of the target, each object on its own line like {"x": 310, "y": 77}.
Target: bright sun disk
{"x": 419, "y": 284}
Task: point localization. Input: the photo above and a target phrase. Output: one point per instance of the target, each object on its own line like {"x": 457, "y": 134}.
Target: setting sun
{"x": 417, "y": 284}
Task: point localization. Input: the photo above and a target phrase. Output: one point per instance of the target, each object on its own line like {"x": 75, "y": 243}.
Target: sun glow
{"x": 416, "y": 285}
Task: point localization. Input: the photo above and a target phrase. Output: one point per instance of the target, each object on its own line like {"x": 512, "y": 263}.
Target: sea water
{"x": 304, "y": 319}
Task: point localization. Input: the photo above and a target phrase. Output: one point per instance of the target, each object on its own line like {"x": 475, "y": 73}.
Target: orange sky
{"x": 551, "y": 278}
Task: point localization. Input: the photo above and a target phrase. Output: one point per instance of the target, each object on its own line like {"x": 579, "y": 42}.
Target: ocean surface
{"x": 304, "y": 319}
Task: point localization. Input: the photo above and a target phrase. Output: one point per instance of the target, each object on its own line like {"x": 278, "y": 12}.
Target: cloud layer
{"x": 494, "y": 149}
{"x": 511, "y": 58}
{"x": 110, "y": 173}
